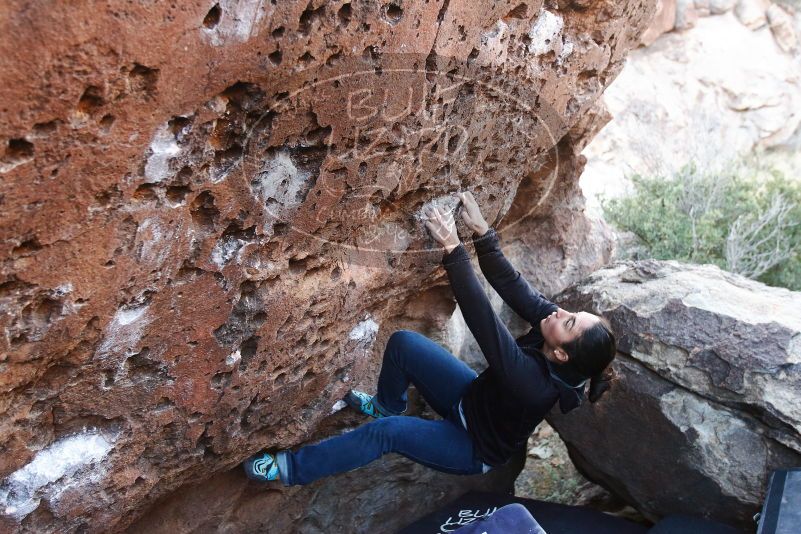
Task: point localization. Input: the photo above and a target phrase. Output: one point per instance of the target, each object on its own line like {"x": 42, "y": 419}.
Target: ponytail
{"x": 600, "y": 384}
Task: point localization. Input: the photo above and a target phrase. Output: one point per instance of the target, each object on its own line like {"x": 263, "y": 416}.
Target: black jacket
{"x": 504, "y": 404}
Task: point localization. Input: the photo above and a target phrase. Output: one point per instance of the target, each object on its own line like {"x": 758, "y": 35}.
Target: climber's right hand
{"x": 442, "y": 227}
{"x": 471, "y": 214}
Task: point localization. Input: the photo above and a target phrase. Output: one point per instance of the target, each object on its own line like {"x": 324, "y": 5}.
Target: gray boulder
{"x": 708, "y": 399}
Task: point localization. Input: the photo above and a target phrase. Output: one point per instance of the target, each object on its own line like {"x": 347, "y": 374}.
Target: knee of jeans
{"x": 400, "y": 337}
{"x": 398, "y": 340}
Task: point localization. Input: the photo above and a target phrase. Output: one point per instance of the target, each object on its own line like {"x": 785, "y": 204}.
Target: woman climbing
{"x": 486, "y": 417}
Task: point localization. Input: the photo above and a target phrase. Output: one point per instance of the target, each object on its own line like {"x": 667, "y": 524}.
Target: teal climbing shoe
{"x": 363, "y": 402}
{"x": 261, "y": 467}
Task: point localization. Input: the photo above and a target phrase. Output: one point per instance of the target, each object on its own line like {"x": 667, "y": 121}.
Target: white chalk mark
{"x": 366, "y": 330}
{"x": 234, "y": 357}
{"x": 567, "y": 49}
{"x": 281, "y": 185}
{"x": 63, "y": 289}
{"x": 124, "y": 331}
{"x": 338, "y": 405}
{"x": 225, "y": 249}
{"x": 544, "y": 34}
{"x": 163, "y": 148}
{"x": 238, "y": 20}
{"x": 447, "y": 205}
{"x": 23, "y": 490}
{"x": 128, "y": 316}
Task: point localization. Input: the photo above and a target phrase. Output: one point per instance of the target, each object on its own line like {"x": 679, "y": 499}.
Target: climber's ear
{"x": 560, "y": 355}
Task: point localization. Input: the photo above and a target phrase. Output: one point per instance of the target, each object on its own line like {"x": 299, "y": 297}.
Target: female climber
{"x": 486, "y": 417}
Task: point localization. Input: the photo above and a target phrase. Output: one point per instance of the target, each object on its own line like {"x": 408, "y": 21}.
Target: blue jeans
{"x": 443, "y": 444}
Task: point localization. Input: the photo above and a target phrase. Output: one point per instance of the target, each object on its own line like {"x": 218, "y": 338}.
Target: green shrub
{"x": 746, "y": 220}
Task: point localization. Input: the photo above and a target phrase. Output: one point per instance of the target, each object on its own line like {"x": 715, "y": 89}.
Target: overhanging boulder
{"x": 210, "y": 223}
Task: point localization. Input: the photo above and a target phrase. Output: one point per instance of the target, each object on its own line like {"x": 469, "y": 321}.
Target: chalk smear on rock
{"x": 52, "y": 470}
{"x": 163, "y": 148}
{"x": 239, "y": 20}
{"x": 366, "y": 330}
{"x": 338, "y": 405}
{"x": 124, "y": 331}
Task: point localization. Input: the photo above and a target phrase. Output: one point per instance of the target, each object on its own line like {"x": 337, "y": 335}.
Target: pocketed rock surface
{"x": 210, "y": 228}
{"x": 708, "y": 400}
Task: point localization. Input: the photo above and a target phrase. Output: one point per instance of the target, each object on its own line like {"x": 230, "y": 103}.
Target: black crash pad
{"x": 510, "y": 519}
{"x": 682, "y": 524}
{"x": 554, "y": 518}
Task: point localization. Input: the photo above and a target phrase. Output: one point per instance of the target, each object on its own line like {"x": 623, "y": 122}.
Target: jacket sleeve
{"x": 524, "y": 300}
{"x": 518, "y": 371}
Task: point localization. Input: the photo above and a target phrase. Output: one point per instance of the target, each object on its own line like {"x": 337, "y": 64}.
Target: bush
{"x": 746, "y": 220}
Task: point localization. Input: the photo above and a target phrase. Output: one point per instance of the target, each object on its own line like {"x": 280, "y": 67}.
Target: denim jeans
{"x": 441, "y": 444}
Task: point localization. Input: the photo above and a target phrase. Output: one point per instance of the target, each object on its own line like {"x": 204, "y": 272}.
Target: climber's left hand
{"x": 442, "y": 227}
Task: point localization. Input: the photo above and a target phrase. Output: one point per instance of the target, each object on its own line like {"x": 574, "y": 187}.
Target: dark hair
{"x": 591, "y": 354}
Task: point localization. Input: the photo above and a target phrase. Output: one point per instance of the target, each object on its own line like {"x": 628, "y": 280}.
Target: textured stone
{"x": 707, "y": 403}
{"x": 664, "y": 21}
{"x": 369, "y": 499}
{"x": 202, "y": 202}
{"x": 718, "y": 7}
{"x": 687, "y": 14}
{"x": 691, "y": 98}
{"x": 781, "y": 25}
{"x": 752, "y": 13}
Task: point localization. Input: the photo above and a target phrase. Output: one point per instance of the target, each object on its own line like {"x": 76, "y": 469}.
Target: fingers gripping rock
{"x": 447, "y": 205}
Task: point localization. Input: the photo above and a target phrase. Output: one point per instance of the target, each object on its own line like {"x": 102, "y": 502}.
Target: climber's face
{"x": 562, "y": 327}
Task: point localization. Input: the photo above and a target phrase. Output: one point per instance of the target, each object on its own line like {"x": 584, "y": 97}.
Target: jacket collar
{"x": 567, "y": 382}
{"x": 570, "y": 395}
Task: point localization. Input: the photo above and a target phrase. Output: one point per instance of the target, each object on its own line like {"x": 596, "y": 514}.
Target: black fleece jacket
{"x": 506, "y": 402}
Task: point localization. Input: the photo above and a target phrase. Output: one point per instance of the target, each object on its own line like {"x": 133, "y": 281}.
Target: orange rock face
{"x": 210, "y": 218}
